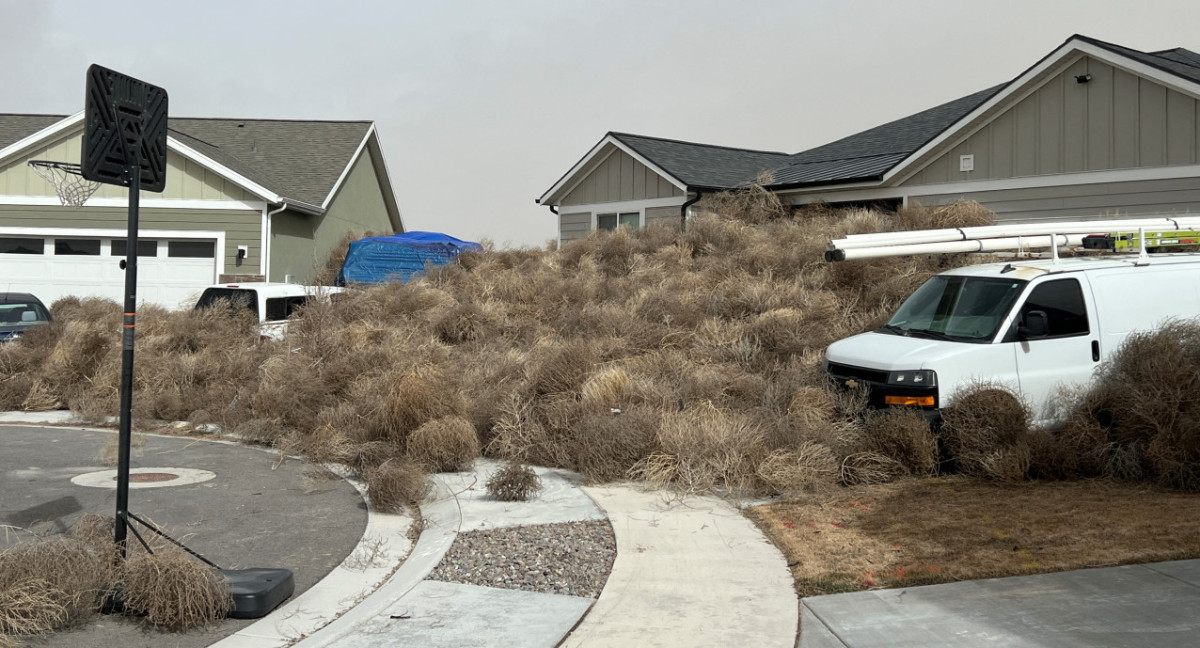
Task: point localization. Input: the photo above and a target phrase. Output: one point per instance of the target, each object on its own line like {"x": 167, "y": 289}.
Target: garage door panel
{"x": 170, "y": 282}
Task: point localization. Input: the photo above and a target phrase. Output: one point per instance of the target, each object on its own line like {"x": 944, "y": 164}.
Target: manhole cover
{"x": 150, "y": 477}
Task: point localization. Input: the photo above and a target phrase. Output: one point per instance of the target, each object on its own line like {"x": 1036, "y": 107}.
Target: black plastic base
{"x": 257, "y": 591}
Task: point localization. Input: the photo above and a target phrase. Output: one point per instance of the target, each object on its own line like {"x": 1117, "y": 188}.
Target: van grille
{"x": 857, "y": 373}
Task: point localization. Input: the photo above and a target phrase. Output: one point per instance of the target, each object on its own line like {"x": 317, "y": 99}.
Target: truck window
{"x": 238, "y": 298}
{"x": 1062, "y": 301}
{"x": 281, "y": 308}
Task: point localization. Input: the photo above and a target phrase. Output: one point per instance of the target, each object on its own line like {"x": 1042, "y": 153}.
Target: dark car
{"x": 18, "y": 312}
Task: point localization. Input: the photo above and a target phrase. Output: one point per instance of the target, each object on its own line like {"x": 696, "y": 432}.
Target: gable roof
{"x": 301, "y": 162}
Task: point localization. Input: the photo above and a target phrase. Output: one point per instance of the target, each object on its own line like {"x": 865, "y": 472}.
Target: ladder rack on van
{"x": 1117, "y": 241}
{"x": 1019, "y": 237}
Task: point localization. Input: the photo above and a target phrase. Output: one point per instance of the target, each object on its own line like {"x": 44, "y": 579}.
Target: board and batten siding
{"x": 186, "y": 180}
{"x": 668, "y": 216}
{"x": 242, "y": 227}
{"x": 1175, "y": 196}
{"x": 620, "y": 178}
{"x": 574, "y": 226}
{"x": 1117, "y": 120}
{"x": 357, "y": 208}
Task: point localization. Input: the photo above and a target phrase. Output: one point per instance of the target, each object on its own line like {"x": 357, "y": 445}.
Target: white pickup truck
{"x": 272, "y": 302}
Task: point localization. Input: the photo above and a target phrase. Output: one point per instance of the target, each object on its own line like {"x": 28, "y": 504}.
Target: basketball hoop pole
{"x": 130, "y": 317}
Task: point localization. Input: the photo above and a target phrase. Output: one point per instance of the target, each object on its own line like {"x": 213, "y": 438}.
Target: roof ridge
{"x": 676, "y": 141}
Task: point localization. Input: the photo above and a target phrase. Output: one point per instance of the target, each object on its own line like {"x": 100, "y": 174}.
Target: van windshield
{"x": 966, "y": 309}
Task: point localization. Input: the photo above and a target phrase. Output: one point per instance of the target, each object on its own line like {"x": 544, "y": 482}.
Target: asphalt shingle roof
{"x": 703, "y": 165}
{"x": 863, "y": 156}
{"x": 299, "y": 160}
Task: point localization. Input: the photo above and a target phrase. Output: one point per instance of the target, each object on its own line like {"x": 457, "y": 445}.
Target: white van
{"x": 273, "y": 303}
{"x": 1031, "y": 326}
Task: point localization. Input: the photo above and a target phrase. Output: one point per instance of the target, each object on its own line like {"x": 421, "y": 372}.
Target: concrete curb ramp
{"x": 1134, "y": 606}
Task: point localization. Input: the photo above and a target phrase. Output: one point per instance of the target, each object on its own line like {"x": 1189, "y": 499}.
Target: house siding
{"x": 358, "y": 207}
{"x": 620, "y": 178}
{"x": 1115, "y": 121}
{"x": 242, "y": 227}
{"x": 1082, "y": 201}
{"x": 186, "y": 180}
{"x": 574, "y": 226}
{"x": 292, "y": 249}
{"x": 668, "y": 216}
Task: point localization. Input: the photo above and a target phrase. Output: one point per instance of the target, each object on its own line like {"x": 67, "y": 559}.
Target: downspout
{"x": 683, "y": 209}
{"x": 266, "y": 243}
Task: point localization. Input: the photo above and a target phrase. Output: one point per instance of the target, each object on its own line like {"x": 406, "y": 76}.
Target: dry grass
{"x": 173, "y": 590}
{"x": 920, "y": 531}
{"x": 513, "y": 482}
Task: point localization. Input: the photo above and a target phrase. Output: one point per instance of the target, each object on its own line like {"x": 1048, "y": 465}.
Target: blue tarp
{"x": 377, "y": 259}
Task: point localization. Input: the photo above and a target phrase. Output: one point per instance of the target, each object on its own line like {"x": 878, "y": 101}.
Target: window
{"x": 144, "y": 248}
{"x": 1062, "y": 302}
{"x": 191, "y": 249}
{"x": 233, "y": 297}
{"x": 67, "y": 247}
{"x": 22, "y": 246}
{"x": 281, "y": 308}
{"x": 966, "y": 309}
{"x": 613, "y": 221}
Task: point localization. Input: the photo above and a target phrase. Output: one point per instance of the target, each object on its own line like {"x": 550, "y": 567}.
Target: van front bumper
{"x": 880, "y": 393}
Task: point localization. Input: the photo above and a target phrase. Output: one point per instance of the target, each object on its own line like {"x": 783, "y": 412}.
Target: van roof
{"x": 1032, "y": 268}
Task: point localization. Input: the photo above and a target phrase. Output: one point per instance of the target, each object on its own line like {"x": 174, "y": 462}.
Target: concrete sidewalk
{"x": 689, "y": 572}
{"x": 1133, "y": 606}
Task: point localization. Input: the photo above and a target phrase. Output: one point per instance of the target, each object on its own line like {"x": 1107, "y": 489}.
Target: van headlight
{"x": 915, "y": 378}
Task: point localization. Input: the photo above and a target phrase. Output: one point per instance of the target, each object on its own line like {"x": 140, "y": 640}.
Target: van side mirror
{"x": 1036, "y": 325}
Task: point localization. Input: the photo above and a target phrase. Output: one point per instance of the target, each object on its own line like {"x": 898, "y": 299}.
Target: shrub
{"x": 395, "y": 484}
{"x": 811, "y": 466}
{"x": 513, "y": 482}
{"x": 444, "y": 445}
{"x": 173, "y": 590}
{"x": 47, "y": 584}
{"x": 985, "y": 429}
{"x": 704, "y": 447}
{"x": 868, "y": 468}
{"x": 904, "y": 435}
{"x": 417, "y": 397}
{"x": 606, "y": 445}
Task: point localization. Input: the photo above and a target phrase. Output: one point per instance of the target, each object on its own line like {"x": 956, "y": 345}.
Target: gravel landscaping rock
{"x": 571, "y": 558}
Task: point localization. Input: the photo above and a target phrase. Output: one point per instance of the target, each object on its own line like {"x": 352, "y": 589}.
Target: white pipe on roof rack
{"x": 944, "y": 247}
{"x": 999, "y": 231}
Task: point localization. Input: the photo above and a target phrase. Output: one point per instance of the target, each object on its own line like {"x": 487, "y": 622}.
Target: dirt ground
{"x": 923, "y": 531}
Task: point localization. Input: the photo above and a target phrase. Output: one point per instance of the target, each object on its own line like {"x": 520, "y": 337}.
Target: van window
{"x": 281, "y": 308}
{"x": 1062, "y": 301}
{"x": 966, "y": 309}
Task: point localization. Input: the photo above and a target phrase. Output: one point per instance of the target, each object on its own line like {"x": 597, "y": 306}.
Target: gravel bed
{"x": 569, "y": 558}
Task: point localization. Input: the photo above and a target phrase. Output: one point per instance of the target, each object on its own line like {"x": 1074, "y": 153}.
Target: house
{"x": 1091, "y": 130}
{"x": 245, "y": 199}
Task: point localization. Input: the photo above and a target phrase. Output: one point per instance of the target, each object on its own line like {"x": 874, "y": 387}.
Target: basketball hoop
{"x": 73, "y": 189}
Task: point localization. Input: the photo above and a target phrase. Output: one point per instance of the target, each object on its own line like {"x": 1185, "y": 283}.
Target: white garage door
{"x": 171, "y": 271}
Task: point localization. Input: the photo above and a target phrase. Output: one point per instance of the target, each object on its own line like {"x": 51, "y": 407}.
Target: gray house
{"x": 1093, "y": 129}
{"x": 245, "y": 199}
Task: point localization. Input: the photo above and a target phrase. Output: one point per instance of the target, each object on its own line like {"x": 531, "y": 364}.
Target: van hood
{"x": 886, "y": 352}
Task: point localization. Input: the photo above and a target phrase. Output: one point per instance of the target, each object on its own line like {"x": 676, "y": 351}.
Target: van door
{"x": 1066, "y": 353}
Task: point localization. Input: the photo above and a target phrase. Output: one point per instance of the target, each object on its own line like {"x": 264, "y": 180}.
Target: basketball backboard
{"x": 124, "y": 124}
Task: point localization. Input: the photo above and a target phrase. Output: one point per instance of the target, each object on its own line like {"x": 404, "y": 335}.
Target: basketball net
{"x": 73, "y": 189}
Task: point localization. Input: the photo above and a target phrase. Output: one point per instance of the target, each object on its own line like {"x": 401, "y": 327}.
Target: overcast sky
{"x": 482, "y": 106}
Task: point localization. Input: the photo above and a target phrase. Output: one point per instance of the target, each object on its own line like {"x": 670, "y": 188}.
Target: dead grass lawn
{"x": 922, "y": 531}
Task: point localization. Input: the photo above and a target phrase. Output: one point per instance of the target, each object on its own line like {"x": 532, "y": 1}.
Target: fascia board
{"x": 1067, "y": 52}
{"x": 43, "y": 136}
{"x": 349, "y": 165}
{"x": 225, "y": 172}
{"x": 375, "y": 146}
